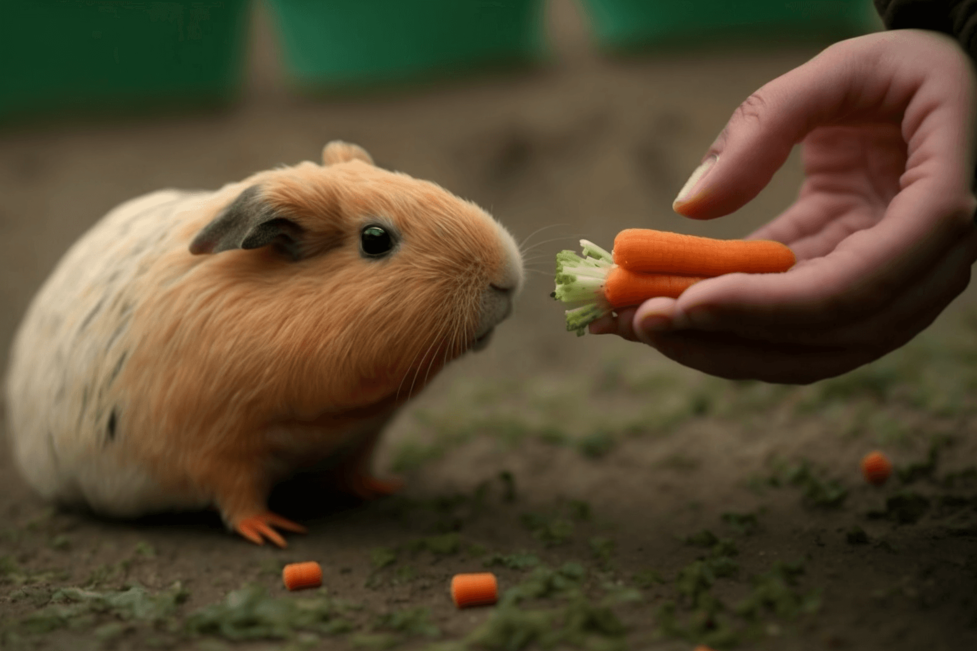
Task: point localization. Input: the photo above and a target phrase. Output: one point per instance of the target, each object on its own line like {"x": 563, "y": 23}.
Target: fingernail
{"x": 688, "y": 190}
{"x": 656, "y": 323}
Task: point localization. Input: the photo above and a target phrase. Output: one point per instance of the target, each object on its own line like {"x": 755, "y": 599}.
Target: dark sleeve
{"x": 963, "y": 15}
{"x": 957, "y": 18}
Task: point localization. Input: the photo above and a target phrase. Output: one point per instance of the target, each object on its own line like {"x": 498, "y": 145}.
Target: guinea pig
{"x": 194, "y": 349}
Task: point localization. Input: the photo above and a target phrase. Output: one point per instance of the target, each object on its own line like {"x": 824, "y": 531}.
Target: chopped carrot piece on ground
{"x": 298, "y": 576}
{"x": 644, "y": 249}
{"x": 876, "y": 468}
{"x": 481, "y": 589}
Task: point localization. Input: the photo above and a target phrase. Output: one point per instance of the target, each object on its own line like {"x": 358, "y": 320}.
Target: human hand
{"x": 883, "y": 226}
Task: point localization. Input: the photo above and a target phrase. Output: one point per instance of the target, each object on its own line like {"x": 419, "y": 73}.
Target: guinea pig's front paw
{"x": 257, "y": 528}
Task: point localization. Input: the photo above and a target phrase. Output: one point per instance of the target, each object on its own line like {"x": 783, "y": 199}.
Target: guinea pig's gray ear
{"x": 249, "y": 222}
{"x": 338, "y": 151}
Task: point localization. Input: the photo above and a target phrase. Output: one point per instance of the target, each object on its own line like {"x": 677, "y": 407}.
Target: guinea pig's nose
{"x": 506, "y": 293}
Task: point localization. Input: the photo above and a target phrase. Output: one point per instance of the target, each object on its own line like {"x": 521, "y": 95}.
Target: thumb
{"x": 760, "y": 135}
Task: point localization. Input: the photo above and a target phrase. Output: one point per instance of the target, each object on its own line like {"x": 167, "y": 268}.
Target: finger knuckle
{"x": 751, "y": 110}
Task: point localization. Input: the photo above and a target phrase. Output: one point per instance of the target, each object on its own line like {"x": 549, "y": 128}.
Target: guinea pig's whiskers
{"x": 436, "y": 340}
{"x": 532, "y": 248}
{"x": 407, "y": 371}
{"x": 535, "y": 259}
{"x": 536, "y": 232}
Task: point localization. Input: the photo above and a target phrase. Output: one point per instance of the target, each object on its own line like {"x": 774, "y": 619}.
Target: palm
{"x": 851, "y": 175}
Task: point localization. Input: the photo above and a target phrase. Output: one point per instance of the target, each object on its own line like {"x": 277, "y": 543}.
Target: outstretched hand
{"x": 883, "y": 226}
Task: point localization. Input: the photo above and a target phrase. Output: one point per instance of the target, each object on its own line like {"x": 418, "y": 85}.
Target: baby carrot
{"x": 623, "y": 287}
{"x": 480, "y": 589}
{"x": 647, "y": 263}
{"x": 876, "y": 468}
{"x": 298, "y": 576}
{"x": 643, "y": 249}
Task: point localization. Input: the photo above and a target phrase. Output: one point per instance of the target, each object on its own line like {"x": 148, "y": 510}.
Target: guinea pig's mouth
{"x": 482, "y": 340}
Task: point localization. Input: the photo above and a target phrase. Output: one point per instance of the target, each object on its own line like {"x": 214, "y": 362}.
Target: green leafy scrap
{"x": 744, "y": 524}
{"x": 11, "y": 572}
{"x": 250, "y": 613}
{"x": 704, "y": 538}
{"x": 816, "y": 491}
{"x": 903, "y": 508}
{"x": 517, "y": 561}
{"x": 510, "y": 628}
{"x": 546, "y": 582}
{"x": 775, "y": 591}
{"x": 580, "y": 623}
{"x": 508, "y": 486}
{"x": 856, "y": 536}
{"x": 440, "y": 545}
{"x": 708, "y": 625}
{"x": 410, "y": 622}
{"x": 381, "y": 557}
{"x": 77, "y": 607}
{"x": 551, "y": 530}
{"x": 580, "y": 510}
{"x": 647, "y": 578}
{"x": 596, "y": 445}
{"x": 603, "y": 549}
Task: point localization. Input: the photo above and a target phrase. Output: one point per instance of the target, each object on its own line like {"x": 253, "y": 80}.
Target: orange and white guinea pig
{"x": 193, "y": 349}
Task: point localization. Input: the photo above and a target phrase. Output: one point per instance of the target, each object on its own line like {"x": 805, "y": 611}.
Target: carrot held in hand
{"x": 623, "y": 287}
{"x": 643, "y": 249}
{"x": 647, "y": 263}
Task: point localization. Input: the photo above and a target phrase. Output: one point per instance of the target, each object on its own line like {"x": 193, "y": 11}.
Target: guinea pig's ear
{"x": 338, "y": 151}
{"x": 249, "y": 222}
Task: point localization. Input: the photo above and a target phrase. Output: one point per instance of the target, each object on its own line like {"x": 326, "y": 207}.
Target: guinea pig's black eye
{"x": 376, "y": 241}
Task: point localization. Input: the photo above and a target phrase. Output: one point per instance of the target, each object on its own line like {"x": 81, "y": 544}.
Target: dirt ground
{"x": 623, "y": 502}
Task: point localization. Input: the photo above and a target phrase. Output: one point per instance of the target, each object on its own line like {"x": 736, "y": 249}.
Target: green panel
{"x": 61, "y": 55}
{"x": 625, "y": 24}
{"x": 342, "y": 42}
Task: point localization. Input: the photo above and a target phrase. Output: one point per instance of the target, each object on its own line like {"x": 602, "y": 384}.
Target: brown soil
{"x": 580, "y": 147}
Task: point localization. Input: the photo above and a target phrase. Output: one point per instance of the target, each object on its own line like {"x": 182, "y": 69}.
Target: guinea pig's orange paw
{"x": 367, "y": 487}
{"x": 257, "y": 528}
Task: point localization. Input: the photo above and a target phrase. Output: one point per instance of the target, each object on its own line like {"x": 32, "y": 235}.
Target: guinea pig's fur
{"x": 195, "y": 348}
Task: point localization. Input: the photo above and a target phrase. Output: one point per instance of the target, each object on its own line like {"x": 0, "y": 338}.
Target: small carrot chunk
{"x": 876, "y": 468}
{"x": 299, "y": 576}
{"x": 624, "y": 288}
{"x": 480, "y": 589}
{"x": 653, "y": 251}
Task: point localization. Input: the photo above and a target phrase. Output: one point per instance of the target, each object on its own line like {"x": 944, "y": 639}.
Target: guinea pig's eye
{"x": 376, "y": 241}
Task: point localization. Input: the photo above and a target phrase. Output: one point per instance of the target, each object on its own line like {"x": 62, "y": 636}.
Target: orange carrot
{"x": 480, "y": 589}
{"x": 876, "y": 468}
{"x": 624, "y": 288}
{"x": 298, "y": 576}
{"x": 647, "y": 250}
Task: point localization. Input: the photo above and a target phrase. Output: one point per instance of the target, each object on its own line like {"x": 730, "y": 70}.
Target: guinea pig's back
{"x": 71, "y": 345}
